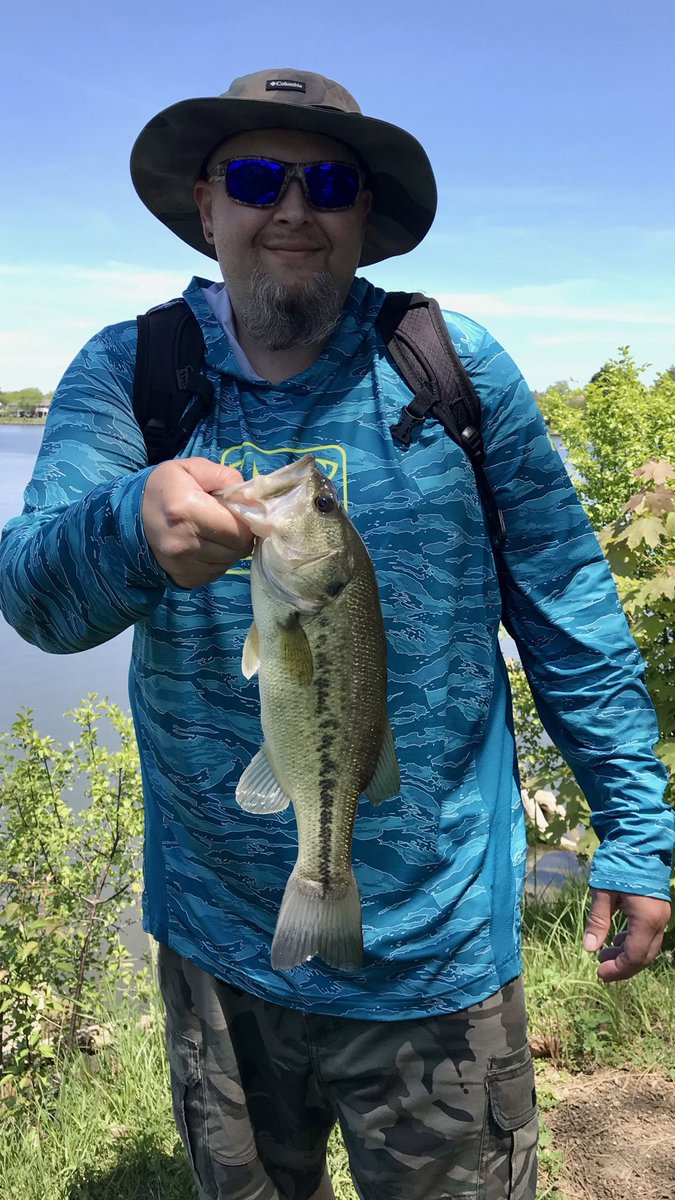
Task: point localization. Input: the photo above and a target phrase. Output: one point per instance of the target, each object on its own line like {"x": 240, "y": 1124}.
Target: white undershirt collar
{"x": 221, "y": 306}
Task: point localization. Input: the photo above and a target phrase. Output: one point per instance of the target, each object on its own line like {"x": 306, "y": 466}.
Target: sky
{"x": 549, "y": 124}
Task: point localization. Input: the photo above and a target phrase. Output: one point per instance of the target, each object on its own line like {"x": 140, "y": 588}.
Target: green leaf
{"x": 666, "y": 752}
{"x": 645, "y": 529}
{"x": 26, "y": 950}
{"x": 660, "y": 588}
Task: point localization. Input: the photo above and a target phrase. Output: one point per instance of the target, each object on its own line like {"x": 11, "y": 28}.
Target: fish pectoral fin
{"x": 296, "y": 653}
{"x": 250, "y": 659}
{"x": 259, "y": 790}
{"x": 386, "y": 781}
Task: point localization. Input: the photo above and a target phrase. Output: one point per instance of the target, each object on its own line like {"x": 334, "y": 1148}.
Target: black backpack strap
{"x": 418, "y": 342}
{"x": 170, "y": 394}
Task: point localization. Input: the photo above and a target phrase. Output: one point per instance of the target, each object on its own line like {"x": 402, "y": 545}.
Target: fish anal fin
{"x": 386, "y": 781}
{"x": 250, "y": 659}
{"x": 296, "y": 653}
{"x": 259, "y": 790}
{"x": 312, "y": 924}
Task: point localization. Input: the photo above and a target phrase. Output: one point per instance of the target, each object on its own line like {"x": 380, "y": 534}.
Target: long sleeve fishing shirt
{"x": 440, "y": 868}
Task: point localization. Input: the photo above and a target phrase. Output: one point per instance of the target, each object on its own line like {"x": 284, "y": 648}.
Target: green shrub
{"x": 67, "y": 878}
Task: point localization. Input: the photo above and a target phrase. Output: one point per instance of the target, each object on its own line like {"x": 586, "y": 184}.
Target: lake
{"x": 48, "y": 683}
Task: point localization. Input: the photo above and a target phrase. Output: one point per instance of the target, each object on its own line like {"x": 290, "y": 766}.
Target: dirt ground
{"x": 616, "y": 1130}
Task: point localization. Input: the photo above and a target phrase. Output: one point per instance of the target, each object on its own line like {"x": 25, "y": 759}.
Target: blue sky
{"x": 549, "y": 124}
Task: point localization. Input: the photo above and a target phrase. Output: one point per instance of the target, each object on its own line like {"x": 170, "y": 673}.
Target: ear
{"x": 203, "y": 195}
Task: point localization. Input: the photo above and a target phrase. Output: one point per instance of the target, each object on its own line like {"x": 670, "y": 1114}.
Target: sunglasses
{"x": 261, "y": 182}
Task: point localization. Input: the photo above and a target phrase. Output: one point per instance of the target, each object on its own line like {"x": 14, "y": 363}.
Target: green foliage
{"x": 621, "y": 438}
{"x": 25, "y": 397}
{"x": 110, "y": 1133}
{"x": 585, "y": 1023}
{"x": 621, "y": 425}
{"x": 66, "y": 878}
{"x": 541, "y": 765}
{"x": 640, "y": 547}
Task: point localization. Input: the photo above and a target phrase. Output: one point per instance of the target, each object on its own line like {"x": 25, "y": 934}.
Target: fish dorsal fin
{"x": 250, "y": 659}
{"x": 296, "y": 652}
{"x": 386, "y": 781}
{"x": 259, "y": 790}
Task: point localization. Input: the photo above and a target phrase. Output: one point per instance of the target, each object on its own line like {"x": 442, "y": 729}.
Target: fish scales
{"x": 326, "y": 737}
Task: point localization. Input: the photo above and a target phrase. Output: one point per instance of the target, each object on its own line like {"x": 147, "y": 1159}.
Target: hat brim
{"x": 171, "y": 152}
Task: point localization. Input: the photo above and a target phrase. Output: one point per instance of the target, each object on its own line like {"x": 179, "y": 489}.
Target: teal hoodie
{"x": 440, "y": 868}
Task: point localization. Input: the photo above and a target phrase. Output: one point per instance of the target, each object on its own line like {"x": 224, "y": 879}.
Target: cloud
{"x": 48, "y": 312}
{"x": 554, "y": 331}
{"x": 556, "y": 302}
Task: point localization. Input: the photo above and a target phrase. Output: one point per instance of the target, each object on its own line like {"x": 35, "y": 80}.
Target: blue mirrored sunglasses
{"x": 261, "y": 182}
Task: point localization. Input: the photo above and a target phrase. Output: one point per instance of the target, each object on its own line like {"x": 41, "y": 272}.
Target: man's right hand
{"x": 194, "y": 538}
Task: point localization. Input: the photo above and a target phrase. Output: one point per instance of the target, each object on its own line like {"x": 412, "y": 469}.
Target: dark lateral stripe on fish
{"x": 327, "y": 763}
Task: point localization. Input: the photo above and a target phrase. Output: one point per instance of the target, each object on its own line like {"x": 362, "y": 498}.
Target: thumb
{"x": 210, "y": 476}
{"x": 603, "y": 905}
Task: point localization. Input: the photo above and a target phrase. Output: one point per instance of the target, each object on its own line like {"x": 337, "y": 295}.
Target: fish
{"x": 318, "y": 646}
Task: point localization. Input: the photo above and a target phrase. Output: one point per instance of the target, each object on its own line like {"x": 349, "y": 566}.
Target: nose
{"x": 293, "y": 206}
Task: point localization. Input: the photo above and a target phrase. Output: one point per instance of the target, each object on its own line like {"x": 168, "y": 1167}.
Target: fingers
{"x": 603, "y": 906}
{"x": 635, "y": 947}
{"x": 193, "y": 537}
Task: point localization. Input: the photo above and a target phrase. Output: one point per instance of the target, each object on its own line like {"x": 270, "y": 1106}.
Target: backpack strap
{"x": 421, "y": 349}
{"x": 171, "y": 395}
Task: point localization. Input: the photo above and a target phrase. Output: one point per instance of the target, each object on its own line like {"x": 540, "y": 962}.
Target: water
{"x": 50, "y": 684}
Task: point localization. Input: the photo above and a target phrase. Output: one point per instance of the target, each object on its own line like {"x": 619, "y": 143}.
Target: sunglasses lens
{"x": 254, "y": 181}
{"x": 332, "y": 185}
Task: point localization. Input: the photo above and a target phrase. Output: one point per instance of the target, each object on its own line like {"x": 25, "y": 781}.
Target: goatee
{"x": 282, "y": 317}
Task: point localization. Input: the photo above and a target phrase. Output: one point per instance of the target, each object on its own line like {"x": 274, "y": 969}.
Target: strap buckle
{"x": 402, "y": 432}
{"x": 413, "y": 414}
{"x": 474, "y": 443}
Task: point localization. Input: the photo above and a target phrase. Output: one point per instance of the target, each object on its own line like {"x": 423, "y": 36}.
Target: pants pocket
{"x": 213, "y": 1135}
{"x": 509, "y": 1146}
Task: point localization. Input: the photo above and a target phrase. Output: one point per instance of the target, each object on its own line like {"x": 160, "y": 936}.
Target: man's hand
{"x": 638, "y": 945}
{"x": 194, "y": 538}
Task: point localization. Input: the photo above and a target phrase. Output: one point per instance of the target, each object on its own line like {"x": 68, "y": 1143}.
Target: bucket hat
{"x": 171, "y": 152}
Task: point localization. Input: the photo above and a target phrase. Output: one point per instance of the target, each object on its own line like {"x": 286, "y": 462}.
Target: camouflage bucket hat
{"x": 171, "y": 152}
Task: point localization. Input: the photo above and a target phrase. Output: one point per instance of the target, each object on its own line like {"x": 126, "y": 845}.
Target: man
{"x": 422, "y": 1054}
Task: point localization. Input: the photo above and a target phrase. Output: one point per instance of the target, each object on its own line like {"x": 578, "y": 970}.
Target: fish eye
{"x": 325, "y": 504}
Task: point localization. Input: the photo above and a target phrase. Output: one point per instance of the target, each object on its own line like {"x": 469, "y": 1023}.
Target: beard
{"x": 282, "y": 316}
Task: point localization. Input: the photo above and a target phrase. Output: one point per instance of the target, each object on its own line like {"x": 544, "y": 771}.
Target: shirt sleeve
{"x": 75, "y": 567}
{"x": 562, "y": 609}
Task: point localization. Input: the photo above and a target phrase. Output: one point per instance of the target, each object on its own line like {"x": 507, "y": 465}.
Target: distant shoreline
{"x": 22, "y": 421}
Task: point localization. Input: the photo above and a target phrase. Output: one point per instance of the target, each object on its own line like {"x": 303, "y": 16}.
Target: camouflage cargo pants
{"x": 429, "y": 1109}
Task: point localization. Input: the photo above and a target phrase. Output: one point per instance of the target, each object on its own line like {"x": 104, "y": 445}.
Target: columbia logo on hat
{"x": 285, "y": 85}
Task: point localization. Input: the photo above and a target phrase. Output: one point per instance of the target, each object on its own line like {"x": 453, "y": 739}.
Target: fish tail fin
{"x": 311, "y": 923}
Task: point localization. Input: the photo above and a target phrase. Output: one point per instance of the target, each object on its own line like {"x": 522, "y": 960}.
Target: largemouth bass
{"x": 317, "y": 643}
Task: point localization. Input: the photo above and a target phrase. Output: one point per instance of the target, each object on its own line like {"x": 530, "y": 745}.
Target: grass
{"x": 107, "y": 1133}
{"x": 585, "y": 1022}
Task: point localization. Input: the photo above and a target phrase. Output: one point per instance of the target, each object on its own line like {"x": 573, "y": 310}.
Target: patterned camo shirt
{"x": 440, "y": 868}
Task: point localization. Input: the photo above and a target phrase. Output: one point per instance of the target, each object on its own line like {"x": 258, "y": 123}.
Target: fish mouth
{"x": 254, "y": 499}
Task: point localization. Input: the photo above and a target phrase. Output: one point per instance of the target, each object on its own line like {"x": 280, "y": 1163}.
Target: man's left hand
{"x": 635, "y": 947}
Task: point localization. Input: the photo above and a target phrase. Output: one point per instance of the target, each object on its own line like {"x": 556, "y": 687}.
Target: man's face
{"x": 291, "y": 242}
